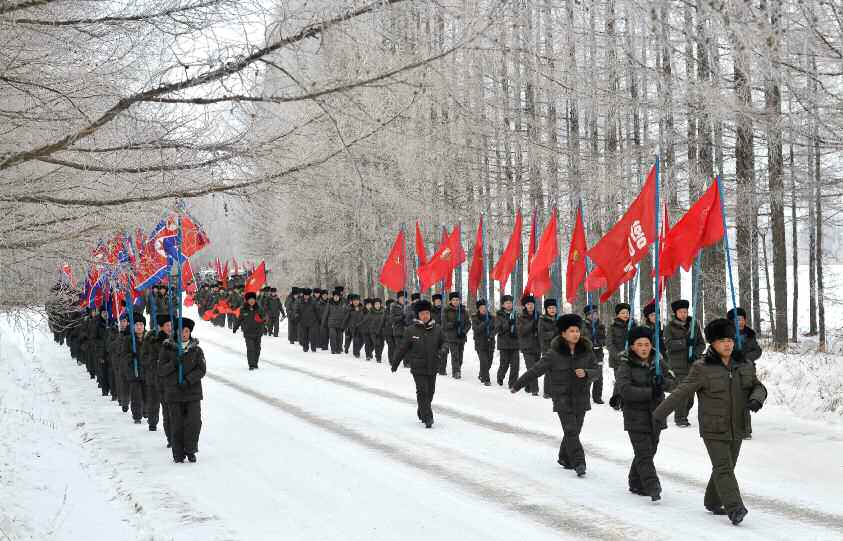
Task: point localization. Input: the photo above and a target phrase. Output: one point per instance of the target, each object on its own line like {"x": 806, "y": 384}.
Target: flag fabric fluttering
{"x": 475, "y": 270}
{"x": 256, "y": 280}
{"x": 442, "y": 262}
{"x": 577, "y": 268}
{"x": 421, "y": 253}
{"x": 531, "y": 246}
{"x": 394, "y": 271}
{"x": 503, "y": 268}
{"x": 539, "y": 281}
{"x": 628, "y": 241}
{"x": 700, "y": 227}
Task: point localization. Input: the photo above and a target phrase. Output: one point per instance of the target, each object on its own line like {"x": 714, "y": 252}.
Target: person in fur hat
{"x": 751, "y": 350}
{"x": 252, "y": 320}
{"x": 455, "y": 325}
{"x": 507, "y": 338}
{"x": 726, "y": 385}
{"x": 292, "y": 321}
{"x": 595, "y": 332}
{"x": 684, "y": 344}
{"x": 483, "y": 330}
{"x": 422, "y": 346}
{"x": 570, "y": 365}
{"x": 616, "y": 339}
{"x": 528, "y": 337}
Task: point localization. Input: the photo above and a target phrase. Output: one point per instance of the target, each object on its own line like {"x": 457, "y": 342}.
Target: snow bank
{"x": 810, "y": 385}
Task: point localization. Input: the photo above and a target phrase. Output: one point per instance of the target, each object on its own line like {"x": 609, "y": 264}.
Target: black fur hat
{"x": 354, "y": 297}
{"x": 621, "y": 306}
{"x": 307, "y": 292}
{"x": 188, "y": 323}
{"x": 294, "y": 291}
{"x": 422, "y": 306}
{"x": 436, "y": 297}
{"x": 367, "y": 301}
{"x": 162, "y": 319}
{"x": 138, "y": 318}
{"x": 567, "y": 321}
{"x": 377, "y": 300}
{"x": 273, "y": 290}
{"x": 589, "y": 308}
{"x": 454, "y": 295}
{"x": 480, "y": 302}
{"x": 680, "y": 304}
{"x": 549, "y": 302}
{"x": 639, "y": 331}
{"x": 415, "y": 296}
{"x": 739, "y": 311}
{"x": 649, "y": 308}
{"x": 400, "y": 294}
{"x": 250, "y": 295}
{"x": 719, "y": 329}
{"x": 507, "y": 298}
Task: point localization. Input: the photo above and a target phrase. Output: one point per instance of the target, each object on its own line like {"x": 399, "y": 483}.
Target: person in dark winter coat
{"x": 726, "y": 385}
{"x": 455, "y": 325}
{"x": 183, "y": 367}
{"x": 422, "y": 345}
{"x": 483, "y": 329}
{"x": 368, "y": 344}
{"x": 570, "y": 364}
{"x": 165, "y": 331}
{"x": 507, "y": 335}
{"x": 683, "y": 350}
{"x": 251, "y": 320}
{"x": 333, "y": 319}
{"x": 388, "y": 333}
{"x": 133, "y": 366}
{"x": 274, "y": 311}
{"x": 641, "y": 391}
{"x": 149, "y": 353}
{"x": 595, "y": 332}
{"x": 547, "y": 332}
{"x": 354, "y": 318}
{"x": 396, "y": 321}
{"x": 292, "y": 321}
{"x": 437, "y": 313}
{"x": 649, "y": 313}
{"x": 616, "y": 339}
{"x": 118, "y": 354}
{"x": 528, "y": 338}
{"x": 750, "y": 349}
{"x": 324, "y": 339}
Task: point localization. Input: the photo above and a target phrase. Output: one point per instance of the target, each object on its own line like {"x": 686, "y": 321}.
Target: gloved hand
{"x": 753, "y": 405}
{"x": 616, "y": 402}
{"x": 234, "y": 331}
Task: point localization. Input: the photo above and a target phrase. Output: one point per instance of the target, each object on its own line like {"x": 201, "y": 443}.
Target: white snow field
{"x": 320, "y": 447}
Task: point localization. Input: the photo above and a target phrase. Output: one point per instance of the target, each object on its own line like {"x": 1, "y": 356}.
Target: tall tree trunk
{"x": 770, "y": 311}
{"x": 775, "y": 167}
{"x": 818, "y": 193}
{"x": 794, "y": 234}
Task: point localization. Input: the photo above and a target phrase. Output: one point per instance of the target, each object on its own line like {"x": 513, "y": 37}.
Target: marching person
{"x": 118, "y": 354}
{"x": 134, "y": 367}
{"x": 528, "y": 338}
{"x": 274, "y": 311}
{"x": 375, "y": 327}
{"x": 388, "y": 331}
{"x": 750, "y": 349}
{"x": 641, "y": 391}
{"x": 570, "y": 365}
{"x": 682, "y": 351}
{"x": 324, "y": 339}
{"x": 507, "y": 335}
{"x": 422, "y": 345}
{"x": 397, "y": 320}
{"x": 353, "y": 320}
{"x": 165, "y": 332}
{"x": 547, "y": 332}
{"x": 292, "y": 321}
{"x": 333, "y": 319}
{"x": 456, "y": 323}
{"x": 309, "y": 321}
{"x": 649, "y": 313}
{"x": 595, "y": 332}
{"x": 726, "y": 385}
{"x": 365, "y": 332}
{"x": 252, "y": 320}
{"x": 149, "y": 353}
{"x": 483, "y": 329}
{"x": 616, "y": 339}
{"x": 183, "y": 367}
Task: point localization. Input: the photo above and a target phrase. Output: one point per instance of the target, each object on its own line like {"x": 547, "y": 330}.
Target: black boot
{"x": 738, "y": 515}
{"x": 191, "y": 457}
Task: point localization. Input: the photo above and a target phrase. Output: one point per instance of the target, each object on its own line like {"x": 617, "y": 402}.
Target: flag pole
{"x": 179, "y": 240}
{"x": 658, "y": 217}
{"x": 738, "y": 340}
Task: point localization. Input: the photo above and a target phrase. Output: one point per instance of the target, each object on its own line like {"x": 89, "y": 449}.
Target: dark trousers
{"x": 253, "y": 350}
{"x": 292, "y": 330}
{"x": 511, "y": 361}
{"x": 123, "y": 390}
{"x": 597, "y": 383}
{"x": 137, "y": 399}
{"x": 230, "y": 320}
{"x": 425, "y": 387}
{"x": 104, "y": 376}
{"x": 571, "y": 453}
{"x": 368, "y": 345}
{"x": 377, "y": 346}
{"x": 485, "y": 354}
{"x": 185, "y": 425}
{"x": 349, "y": 338}
{"x": 165, "y": 415}
{"x": 456, "y": 349}
{"x": 274, "y": 324}
{"x": 722, "y": 486}
{"x": 684, "y": 407}
{"x": 530, "y": 359}
{"x": 335, "y": 334}
{"x": 359, "y": 342}
{"x": 642, "y": 472}
{"x": 308, "y": 338}
{"x": 390, "y": 346}
{"x": 152, "y": 404}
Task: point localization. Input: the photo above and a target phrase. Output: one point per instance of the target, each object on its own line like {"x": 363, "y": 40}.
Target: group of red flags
{"x": 253, "y": 284}
{"x": 614, "y": 257}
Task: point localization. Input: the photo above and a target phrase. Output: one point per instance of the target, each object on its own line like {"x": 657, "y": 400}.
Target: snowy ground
{"x": 321, "y": 447}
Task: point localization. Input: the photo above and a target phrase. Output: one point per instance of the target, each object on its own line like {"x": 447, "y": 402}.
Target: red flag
{"x": 664, "y": 230}
{"x": 69, "y": 273}
{"x": 188, "y": 301}
{"x": 192, "y": 235}
{"x": 595, "y": 280}
{"x": 187, "y": 279}
{"x": 700, "y": 227}
{"x": 531, "y": 247}
{"x": 576, "y": 259}
{"x": 449, "y": 278}
{"x": 394, "y": 270}
{"x": 475, "y": 270}
{"x": 506, "y": 263}
{"x": 449, "y": 255}
{"x": 538, "y": 281}
{"x": 421, "y": 253}
{"x": 257, "y": 279}
{"x": 628, "y": 241}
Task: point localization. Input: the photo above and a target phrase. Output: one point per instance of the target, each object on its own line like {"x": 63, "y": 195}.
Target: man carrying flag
{"x": 251, "y": 319}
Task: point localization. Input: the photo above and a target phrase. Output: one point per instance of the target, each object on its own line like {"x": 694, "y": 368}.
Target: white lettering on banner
{"x": 636, "y": 240}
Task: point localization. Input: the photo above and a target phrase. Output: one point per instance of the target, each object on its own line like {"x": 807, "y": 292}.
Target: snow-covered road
{"x": 320, "y": 447}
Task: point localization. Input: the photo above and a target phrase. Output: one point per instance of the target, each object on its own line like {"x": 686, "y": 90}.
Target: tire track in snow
{"x": 546, "y": 515}
{"x": 772, "y": 505}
